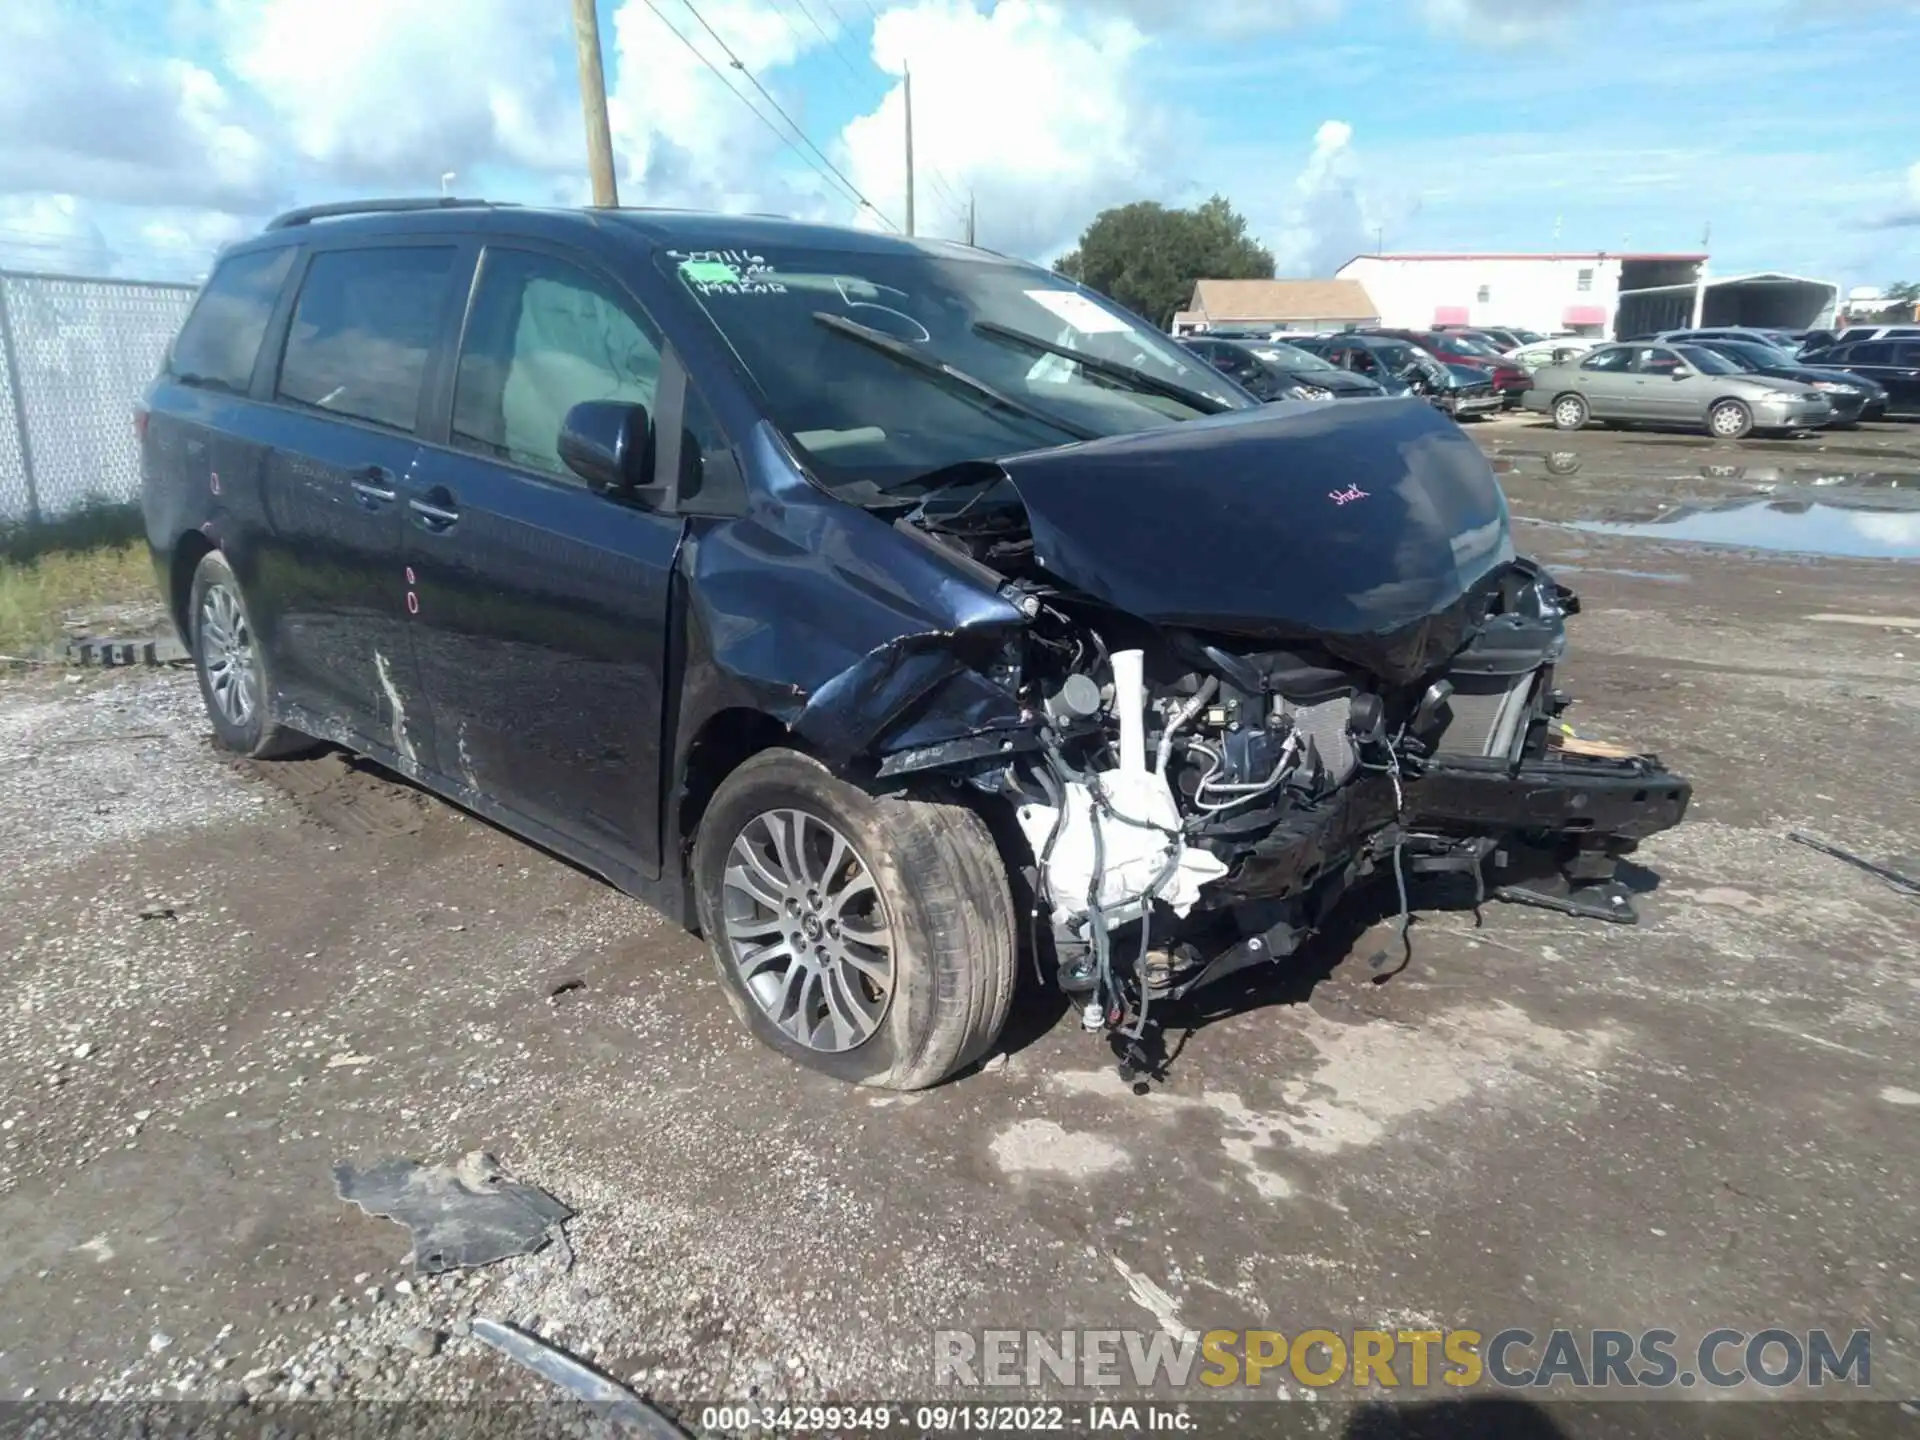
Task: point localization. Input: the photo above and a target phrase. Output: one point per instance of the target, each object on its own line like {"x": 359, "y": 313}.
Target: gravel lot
{"x": 224, "y": 979}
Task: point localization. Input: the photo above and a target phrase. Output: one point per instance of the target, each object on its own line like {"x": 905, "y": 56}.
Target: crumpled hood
{"x": 1356, "y": 524}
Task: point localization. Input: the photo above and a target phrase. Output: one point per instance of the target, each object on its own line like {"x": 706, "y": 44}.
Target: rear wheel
{"x": 1729, "y": 420}
{"x": 870, "y": 937}
{"x": 234, "y": 681}
{"x": 1569, "y": 413}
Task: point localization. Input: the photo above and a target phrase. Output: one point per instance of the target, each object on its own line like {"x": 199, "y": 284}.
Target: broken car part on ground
{"x": 461, "y": 1215}
{"x": 898, "y": 589}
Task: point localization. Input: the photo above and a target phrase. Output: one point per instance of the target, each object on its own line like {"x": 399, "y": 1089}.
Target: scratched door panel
{"x": 540, "y": 633}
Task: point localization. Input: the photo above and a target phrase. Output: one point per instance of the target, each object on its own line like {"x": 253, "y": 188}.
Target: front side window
{"x": 1874, "y": 352}
{"x": 853, "y": 353}
{"x": 362, "y": 331}
{"x": 221, "y": 339}
{"x": 542, "y": 337}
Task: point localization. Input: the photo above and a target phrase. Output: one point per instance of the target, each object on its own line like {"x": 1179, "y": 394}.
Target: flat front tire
{"x": 234, "y": 680}
{"x": 870, "y": 937}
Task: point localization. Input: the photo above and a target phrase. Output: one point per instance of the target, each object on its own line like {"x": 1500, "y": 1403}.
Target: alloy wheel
{"x": 226, "y": 653}
{"x": 806, "y": 930}
{"x": 1728, "y": 421}
{"x": 1569, "y": 413}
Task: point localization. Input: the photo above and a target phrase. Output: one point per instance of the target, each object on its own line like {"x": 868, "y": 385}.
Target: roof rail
{"x": 307, "y": 213}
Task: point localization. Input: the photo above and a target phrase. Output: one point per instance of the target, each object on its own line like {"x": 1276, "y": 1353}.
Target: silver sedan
{"x": 1673, "y": 385}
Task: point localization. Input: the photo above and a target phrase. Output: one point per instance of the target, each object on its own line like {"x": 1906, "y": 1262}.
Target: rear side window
{"x": 363, "y": 329}
{"x": 221, "y": 339}
{"x": 1907, "y": 353}
{"x": 1607, "y": 360}
{"x": 1874, "y": 352}
{"x": 543, "y": 336}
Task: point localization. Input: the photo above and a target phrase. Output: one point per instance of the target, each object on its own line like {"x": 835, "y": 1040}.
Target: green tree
{"x": 1147, "y": 256}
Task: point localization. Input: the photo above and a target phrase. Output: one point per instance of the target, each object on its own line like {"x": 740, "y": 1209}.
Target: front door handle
{"x": 436, "y": 512}
{"x": 373, "y": 482}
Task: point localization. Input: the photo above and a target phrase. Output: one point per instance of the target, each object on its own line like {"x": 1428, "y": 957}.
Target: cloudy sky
{"x": 136, "y": 136}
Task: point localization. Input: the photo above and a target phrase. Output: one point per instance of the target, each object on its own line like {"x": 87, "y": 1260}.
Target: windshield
{"x": 1467, "y": 345}
{"x": 1292, "y": 357}
{"x": 1708, "y": 363}
{"x": 1751, "y": 355}
{"x": 880, "y": 414}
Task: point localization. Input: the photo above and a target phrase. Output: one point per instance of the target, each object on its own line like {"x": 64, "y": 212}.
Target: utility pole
{"x": 1700, "y": 281}
{"x": 970, "y": 217}
{"x": 593, "y": 102}
{"x": 909, "y": 96}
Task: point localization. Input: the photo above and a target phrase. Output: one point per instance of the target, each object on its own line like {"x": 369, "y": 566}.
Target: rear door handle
{"x": 435, "y": 516}
{"x": 373, "y": 482}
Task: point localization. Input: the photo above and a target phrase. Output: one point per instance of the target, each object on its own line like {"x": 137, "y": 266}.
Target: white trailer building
{"x": 1566, "y": 292}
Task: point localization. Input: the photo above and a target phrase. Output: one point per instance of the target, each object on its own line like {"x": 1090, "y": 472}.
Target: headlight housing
{"x": 1836, "y": 387}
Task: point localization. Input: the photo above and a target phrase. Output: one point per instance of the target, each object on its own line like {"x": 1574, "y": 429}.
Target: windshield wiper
{"x": 1112, "y": 369}
{"x": 952, "y": 377}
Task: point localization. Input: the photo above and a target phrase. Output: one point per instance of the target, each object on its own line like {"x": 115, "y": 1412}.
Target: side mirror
{"x": 1683, "y": 374}
{"x": 609, "y": 444}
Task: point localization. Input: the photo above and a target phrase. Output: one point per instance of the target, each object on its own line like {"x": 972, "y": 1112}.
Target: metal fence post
{"x": 12, "y": 354}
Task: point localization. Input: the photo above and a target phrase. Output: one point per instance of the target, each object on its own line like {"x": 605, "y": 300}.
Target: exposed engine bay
{"x": 1207, "y": 756}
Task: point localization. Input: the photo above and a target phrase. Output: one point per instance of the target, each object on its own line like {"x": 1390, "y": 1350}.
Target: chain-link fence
{"x": 77, "y": 354}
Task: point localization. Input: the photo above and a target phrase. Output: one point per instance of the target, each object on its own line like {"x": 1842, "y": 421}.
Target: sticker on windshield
{"x": 709, "y": 272}
{"x": 1079, "y": 312}
{"x": 727, "y": 272}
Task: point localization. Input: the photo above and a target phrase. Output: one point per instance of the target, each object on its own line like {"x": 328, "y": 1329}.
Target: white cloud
{"x": 82, "y": 113}
{"x": 1218, "y": 18}
{"x": 54, "y": 233}
{"x": 390, "y": 93}
{"x": 681, "y": 139}
{"x": 1041, "y": 112}
{"x": 1327, "y": 223}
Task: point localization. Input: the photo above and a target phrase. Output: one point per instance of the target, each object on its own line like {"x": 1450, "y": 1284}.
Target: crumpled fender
{"x": 819, "y": 613}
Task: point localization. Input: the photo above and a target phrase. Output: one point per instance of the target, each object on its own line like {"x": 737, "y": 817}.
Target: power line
{"x": 832, "y": 44}
{"x": 832, "y": 171}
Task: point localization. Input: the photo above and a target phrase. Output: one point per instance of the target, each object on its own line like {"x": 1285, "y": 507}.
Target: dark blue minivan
{"x": 879, "y": 608}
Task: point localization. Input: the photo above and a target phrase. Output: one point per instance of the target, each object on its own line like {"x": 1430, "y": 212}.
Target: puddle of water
{"x": 1670, "y": 577}
{"x": 1805, "y": 528}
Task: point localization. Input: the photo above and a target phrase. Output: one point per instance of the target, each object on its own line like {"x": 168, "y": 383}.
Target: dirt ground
{"x": 222, "y": 980}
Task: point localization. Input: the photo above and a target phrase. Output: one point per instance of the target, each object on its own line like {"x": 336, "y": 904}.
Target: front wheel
{"x": 227, "y": 656}
{"x": 1569, "y": 413}
{"x": 1730, "y": 420}
{"x": 870, "y": 937}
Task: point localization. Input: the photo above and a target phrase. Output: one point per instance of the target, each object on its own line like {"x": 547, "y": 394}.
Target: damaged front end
{"x": 1259, "y": 657}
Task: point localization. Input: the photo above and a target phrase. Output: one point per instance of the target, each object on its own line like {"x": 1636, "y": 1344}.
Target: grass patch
{"x": 94, "y": 558}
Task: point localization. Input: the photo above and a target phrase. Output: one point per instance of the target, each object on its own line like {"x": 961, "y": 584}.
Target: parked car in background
{"x": 1784, "y": 340}
{"x": 1893, "y": 364}
{"x": 1551, "y": 352}
{"x": 1273, "y": 370}
{"x": 1854, "y": 397}
{"x": 1403, "y": 368}
{"x": 1673, "y": 385}
{"x": 1509, "y": 378}
{"x": 1503, "y": 338}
